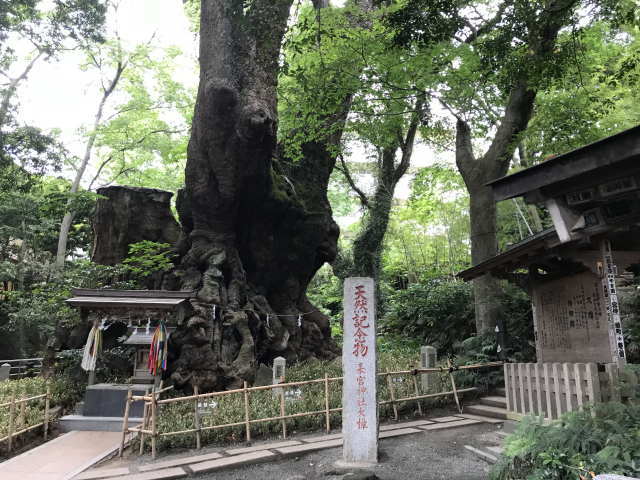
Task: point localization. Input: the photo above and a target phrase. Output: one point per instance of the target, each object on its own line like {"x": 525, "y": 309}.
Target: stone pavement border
{"x": 237, "y": 457}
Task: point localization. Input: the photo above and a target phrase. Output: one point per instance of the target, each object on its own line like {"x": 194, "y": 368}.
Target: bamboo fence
{"x": 149, "y": 425}
{"x": 19, "y": 421}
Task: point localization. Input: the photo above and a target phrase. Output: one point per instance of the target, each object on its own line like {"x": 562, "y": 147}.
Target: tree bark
{"x": 255, "y": 229}
{"x": 368, "y": 244}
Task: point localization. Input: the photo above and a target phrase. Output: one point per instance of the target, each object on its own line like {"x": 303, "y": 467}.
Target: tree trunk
{"x": 254, "y": 233}
{"x": 484, "y": 245}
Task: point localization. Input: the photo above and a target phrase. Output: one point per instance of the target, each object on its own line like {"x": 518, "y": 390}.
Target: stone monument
{"x": 359, "y": 388}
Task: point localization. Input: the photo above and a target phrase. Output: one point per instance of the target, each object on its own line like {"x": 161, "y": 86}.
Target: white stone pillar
{"x": 359, "y": 393}
{"x": 428, "y": 359}
{"x": 279, "y": 374}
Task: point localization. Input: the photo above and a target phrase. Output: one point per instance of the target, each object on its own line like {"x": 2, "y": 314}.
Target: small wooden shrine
{"x": 143, "y": 312}
{"x": 571, "y": 270}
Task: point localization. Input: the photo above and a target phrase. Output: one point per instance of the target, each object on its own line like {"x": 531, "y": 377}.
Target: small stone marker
{"x": 5, "y": 371}
{"x": 428, "y": 359}
{"x": 279, "y": 374}
{"x": 359, "y": 392}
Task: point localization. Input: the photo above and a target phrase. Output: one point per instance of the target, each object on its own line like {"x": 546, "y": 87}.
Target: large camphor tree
{"x": 256, "y": 225}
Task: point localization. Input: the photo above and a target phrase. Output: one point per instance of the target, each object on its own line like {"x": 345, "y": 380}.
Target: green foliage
{"x": 31, "y": 315}
{"x": 602, "y": 439}
{"x": 146, "y": 258}
{"x": 438, "y": 312}
{"x": 62, "y": 394}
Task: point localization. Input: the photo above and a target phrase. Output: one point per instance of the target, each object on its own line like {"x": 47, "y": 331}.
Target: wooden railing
{"x": 153, "y": 403}
{"x": 17, "y": 419}
{"x": 551, "y": 389}
{"x": 22, "y": 367}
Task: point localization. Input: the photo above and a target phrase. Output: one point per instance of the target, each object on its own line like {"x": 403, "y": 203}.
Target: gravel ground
{"x": 425, "y": 456}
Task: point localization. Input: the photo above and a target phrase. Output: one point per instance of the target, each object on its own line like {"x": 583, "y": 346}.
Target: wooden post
{"x": 507, "y": 385}
{"x": 547, "y": 390}
{"x": 22, "y": 417}
{"x": 593, "y": 383}
{"x": 612, "y": 373}
{"x": 125, "y": 422}
{"x": 12, "y": 411}
{"x": 196, "y": 417}
{"x": 567, "y": 383}
{"x": 577, "y": 367}
{"x": 415, "y": 388}
{"x": 284, "y": 420}
{"x": 392, "y": 395}
{"x": 154, "y": 424}
{"x": 453, "y": 386}
{"x": 536, "y": 369}
{"x": 523, "y": 401}
{"x": 528, "y": 367}
{"x": 46, "y": 413}
{"x": 556, "y": 386}
{"x": 246, "y": 413}
{"x": 326, "y": 402}
{"x": 145, "y": 422}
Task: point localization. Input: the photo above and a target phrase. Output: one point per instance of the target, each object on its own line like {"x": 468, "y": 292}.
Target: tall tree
{"x": 497, "y": 66}
{"x": 255, "y": 213}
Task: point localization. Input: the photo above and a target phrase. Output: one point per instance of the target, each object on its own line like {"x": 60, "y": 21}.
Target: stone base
{"x": 108, "y": 400}
{"x": 341, "y": 465}
{"x": 102, "y": 424}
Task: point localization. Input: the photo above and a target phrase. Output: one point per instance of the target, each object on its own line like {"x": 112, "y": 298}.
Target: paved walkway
{"x": 62, "y": 458}
{"x": 183, "y": 466}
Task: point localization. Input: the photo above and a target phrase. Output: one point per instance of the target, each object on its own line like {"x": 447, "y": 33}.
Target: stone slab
{"x": 61, "y": 458}
{"x": 176, "y": 462}
{"x": 359, "y": 384}
{"x": 108, "y": 400}
{"x": 397, "y": 426}
{"x": 236, "y": 460}
{"x": 322, "y": 438}
{"x": 309, "y": 447}
{"x": 486, "y": 456}
{"x": 482, "y": 418}
{"x": 399, "y": 432}
{"x": 69, "y": 423}
{"x": 102, "y": 473}
{"x": 440, "y": 426}
{"x": 165, "y": 474}
{"x": 266, "y": 446}
{"x": 496, "y": 449}
{"x": 445, "y": 419}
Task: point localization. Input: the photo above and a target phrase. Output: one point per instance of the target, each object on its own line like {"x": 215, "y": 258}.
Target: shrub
{"x": 604, "y": 438}
{"x": 438, "y": 312}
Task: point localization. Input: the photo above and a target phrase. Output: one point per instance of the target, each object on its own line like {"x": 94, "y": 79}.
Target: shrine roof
{"x": 609, "y": 151}
{"x": 108, "y": 298}
{"x": 513, "y": 257}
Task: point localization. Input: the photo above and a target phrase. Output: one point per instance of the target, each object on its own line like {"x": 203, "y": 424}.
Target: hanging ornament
{"x": 148, "y": 325}
{"x": 158, "y": 350}
{"x": 299, "y": 320}
{"x": 213, "y": 313}
{"x": 92, "y": 348}
{"x": 268, "y": 325}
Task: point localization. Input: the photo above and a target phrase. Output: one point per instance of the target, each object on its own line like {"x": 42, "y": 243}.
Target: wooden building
{"x": 593, "y": 197}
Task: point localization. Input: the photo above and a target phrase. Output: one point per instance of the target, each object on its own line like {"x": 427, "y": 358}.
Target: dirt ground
{"x": 432, "y": 455}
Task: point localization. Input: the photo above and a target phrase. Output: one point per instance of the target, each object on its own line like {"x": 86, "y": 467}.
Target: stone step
{"x": 494, "y": 401}
{"x": 69, "y": 423}
{"x": 483, "y": 454}
{"x": 501, "y": 392}
{"x": 487, "y": 411}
